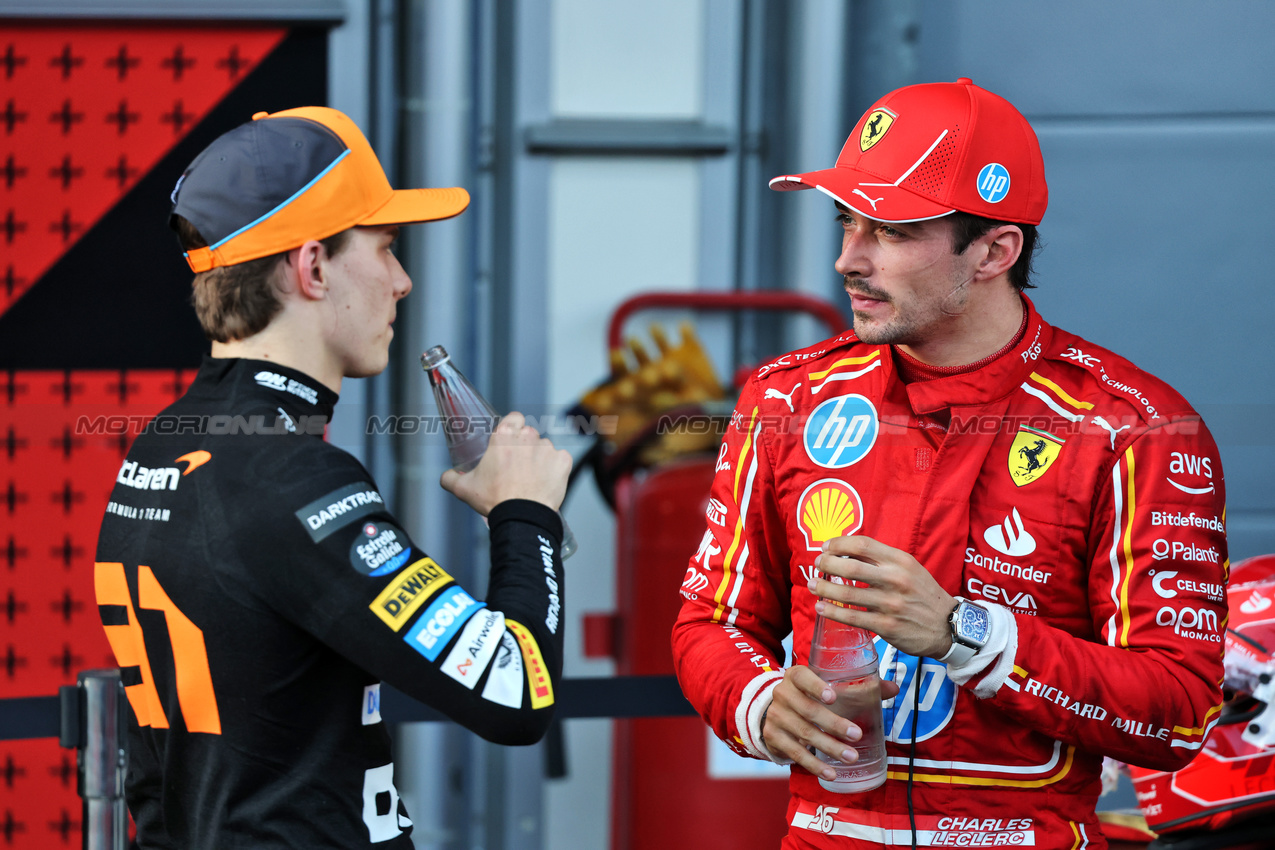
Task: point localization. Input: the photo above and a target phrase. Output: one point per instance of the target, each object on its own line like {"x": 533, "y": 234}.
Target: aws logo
{"x": 1194, "y": 466}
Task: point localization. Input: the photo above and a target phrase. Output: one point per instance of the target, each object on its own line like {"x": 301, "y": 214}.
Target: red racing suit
{"x": 1059, "y": 482}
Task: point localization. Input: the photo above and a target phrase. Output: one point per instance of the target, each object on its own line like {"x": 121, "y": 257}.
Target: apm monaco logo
{"x": 993, "y": 183}
{"x": 841, "y": 431}
{"x": 828, "y": 508}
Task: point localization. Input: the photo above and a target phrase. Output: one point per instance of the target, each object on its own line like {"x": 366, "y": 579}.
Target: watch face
{"x": 973, "y": 624}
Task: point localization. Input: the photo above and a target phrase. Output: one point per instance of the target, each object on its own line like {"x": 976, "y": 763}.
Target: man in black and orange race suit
{"x": 253, "y": 585}
{"x": 1032, "y": 526}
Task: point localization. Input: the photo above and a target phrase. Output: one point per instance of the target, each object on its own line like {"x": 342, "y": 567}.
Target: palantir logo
{"x": 841, "y": 431}
{"x": 1012, "y": 540}
{"x": 923, "y": 683}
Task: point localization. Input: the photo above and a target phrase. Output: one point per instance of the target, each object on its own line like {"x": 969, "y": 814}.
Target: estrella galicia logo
{"x": 380, "y": 548}
{"x": 841, "y": 431}
{"x": 993, "y": 183}
{"x": 935, "y": 702}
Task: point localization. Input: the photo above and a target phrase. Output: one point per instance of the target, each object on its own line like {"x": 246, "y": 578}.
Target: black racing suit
{"x": 255, "y": 591}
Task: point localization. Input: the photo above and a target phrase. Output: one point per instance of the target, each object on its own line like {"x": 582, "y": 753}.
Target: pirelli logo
{"x": 537, "y": 672}
{"x": 409, "y": 590}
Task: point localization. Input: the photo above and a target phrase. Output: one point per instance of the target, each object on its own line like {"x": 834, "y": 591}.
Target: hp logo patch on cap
{"x": 993, "y": 183}
{"x": 841, "y": 431}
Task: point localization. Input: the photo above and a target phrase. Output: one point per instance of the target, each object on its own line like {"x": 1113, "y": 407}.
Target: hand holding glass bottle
{"x": 469, "y": 425}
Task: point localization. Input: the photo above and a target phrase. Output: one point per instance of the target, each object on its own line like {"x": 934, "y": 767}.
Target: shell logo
{"x": 828, "y": 508}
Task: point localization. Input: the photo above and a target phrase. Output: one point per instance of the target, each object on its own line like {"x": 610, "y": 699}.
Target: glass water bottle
{"x": 468, "y": 420}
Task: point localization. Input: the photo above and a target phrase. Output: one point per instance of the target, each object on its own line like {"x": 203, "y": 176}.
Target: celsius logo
{"x": 993, "y": 183}
{"x": 841, "y": 431}
{"x": 1255, "y": 604}
{"x": 1012, "y": 540}
{"x": 1158, "y": 582}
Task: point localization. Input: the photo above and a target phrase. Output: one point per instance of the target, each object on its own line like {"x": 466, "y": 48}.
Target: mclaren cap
{"x": 928, "y": 150}
{"x": 282, "y": 179}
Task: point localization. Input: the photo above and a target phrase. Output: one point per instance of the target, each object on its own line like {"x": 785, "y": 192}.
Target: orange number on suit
{"x": 190, "y": 657}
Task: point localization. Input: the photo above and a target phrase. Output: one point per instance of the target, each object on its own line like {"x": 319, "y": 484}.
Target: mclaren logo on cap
{"x": 874, "y": 129}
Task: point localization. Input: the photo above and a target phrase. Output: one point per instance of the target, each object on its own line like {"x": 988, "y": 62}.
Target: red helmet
{"x": 1232, "y": 780}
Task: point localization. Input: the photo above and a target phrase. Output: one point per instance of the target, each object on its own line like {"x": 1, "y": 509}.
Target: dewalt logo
{"x": 409, "y": 590}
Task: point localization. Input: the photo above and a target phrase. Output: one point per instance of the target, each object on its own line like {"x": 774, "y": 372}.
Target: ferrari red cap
{"x": 281, "y": 179}
{"x": 928, "y": 150}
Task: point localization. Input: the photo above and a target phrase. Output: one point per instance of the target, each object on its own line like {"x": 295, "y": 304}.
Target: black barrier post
{"x": 93, "y": 722}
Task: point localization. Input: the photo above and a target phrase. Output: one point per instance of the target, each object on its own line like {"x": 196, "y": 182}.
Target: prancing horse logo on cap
{"x": 874, "y": 129}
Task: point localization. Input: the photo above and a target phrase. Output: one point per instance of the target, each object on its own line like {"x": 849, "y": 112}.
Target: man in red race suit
{"x": 1033, "y": 527}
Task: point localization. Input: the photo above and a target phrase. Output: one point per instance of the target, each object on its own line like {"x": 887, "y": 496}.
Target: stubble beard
{"x": 893, "y": 331}
{"x": 903, "y": 329}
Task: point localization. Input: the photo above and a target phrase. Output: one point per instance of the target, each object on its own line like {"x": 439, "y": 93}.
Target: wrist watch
{"x": 971, "y": 627}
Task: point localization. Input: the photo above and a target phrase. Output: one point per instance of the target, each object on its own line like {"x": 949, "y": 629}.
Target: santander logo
{"x": 1255, "y": 603}
{"x": 1010, "y": 539}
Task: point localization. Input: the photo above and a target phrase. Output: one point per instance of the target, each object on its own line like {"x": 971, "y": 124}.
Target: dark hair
{"x": 966, "y": 228}
{"x": 235, "y": 302}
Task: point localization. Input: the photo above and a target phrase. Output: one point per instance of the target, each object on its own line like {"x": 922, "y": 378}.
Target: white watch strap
{"x": 958, "y": 655}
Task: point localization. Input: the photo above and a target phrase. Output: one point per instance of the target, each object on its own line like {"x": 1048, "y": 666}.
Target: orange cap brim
{"x": 408, "y": 206}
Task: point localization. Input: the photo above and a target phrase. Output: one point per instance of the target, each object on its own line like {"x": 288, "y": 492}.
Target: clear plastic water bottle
{"x": 845, "y": 657}
{"x": 468, "y": 420}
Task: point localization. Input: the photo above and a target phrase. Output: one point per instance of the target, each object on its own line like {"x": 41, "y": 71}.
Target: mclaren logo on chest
{"x": 1032, "y": 454}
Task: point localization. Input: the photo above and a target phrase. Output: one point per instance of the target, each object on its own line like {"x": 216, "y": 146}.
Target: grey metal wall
{"x": 1157, "y": 121}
